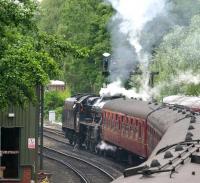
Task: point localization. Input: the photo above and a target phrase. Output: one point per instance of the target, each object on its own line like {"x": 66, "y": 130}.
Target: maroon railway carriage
{"x": 175, "y": 159}
{"x": 134, "y": 125}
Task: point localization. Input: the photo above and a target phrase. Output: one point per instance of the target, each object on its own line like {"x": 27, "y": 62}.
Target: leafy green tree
{"x": 19, "y": 59}
{"x": 82, "y": 23}
{"x": 27, "y": 57}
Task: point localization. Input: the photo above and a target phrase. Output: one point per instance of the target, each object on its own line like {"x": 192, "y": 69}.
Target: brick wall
{"x": 26, "y": 178}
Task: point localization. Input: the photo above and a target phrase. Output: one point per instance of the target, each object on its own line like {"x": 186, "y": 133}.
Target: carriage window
{"x": 120, "y": 122}
{"x": 113, "y": 120}
{"x": 136, "y": 126}
{"x": 124, "y": 128}
{"x": 130, "y": 127}
{"x": 127, "y": 129}
{"x": 110, "y": 120}
{"x": 109, "y": 116}
{"x": 140, "y": 131}
{"x": 107, "y": 120}
{"x": 124, "y": 124}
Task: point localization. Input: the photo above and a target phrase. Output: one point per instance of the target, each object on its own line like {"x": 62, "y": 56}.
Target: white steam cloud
{"x": 116, "y": 89}
{"x": 136, "y": 28}
{"x": 188, "y": 77}
{"x": 104, "y": 146}
{"x": 127, "y": 25}
{"x": 134, "y": 15}
{"x": 127, "y": 52}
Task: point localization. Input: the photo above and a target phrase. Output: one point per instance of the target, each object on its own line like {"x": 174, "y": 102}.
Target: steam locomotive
{"x": 132, "y": 126}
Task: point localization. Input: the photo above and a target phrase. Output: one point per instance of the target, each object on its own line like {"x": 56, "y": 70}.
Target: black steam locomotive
{"x": 81, "y": 121}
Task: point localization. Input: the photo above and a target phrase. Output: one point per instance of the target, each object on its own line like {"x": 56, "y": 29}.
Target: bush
{"x": 54, "y": 100}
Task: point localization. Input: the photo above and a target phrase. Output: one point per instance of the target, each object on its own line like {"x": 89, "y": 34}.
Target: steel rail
{"x": 82, "y": 160}
{"x": 82, "y": 177}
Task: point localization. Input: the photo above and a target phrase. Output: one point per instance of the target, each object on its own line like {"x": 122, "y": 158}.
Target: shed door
{"x": 9, "y": 156}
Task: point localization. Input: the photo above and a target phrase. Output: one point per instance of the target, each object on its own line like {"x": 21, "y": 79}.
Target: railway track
{"x": 54, "y": 131}
{"x": 77, "y": 177}
{"x": 93, "y": 168}
{"x": 86, "y": 171}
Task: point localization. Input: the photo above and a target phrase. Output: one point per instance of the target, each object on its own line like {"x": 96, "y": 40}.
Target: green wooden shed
{"x": 18, "y": 143}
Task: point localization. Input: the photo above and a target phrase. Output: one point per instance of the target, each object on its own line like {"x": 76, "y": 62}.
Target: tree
{"x": 82, "y": 23}
{"x": 25, "y": 60}
{"x": 179, "y": 53}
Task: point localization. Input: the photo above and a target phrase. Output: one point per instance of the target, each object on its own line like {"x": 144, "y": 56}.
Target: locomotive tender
{"x": 132, "y": 125}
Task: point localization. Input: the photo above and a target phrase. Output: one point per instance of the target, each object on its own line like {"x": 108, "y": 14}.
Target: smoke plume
{"x": 116, "y": 88}
{"x": 126, "y": 29}
{"x": 136, "y": 29}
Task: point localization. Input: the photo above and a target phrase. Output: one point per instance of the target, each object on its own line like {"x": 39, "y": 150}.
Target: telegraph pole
{"x": 41, "y": 125}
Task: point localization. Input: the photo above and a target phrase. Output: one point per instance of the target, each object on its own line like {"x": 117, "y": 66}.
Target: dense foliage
{"x": 19, "y": 58}
{"x": 54, "y": 100}
{"x": 177, "y": 57}
{"x": 27, "y": 57}
{"x": 173, "y": 42}
{"x": 82, "y": 23}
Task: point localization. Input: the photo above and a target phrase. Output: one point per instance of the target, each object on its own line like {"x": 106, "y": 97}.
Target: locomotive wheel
{"x": 96, "y": 150}
{"x": 117, "y": 155}
{"x": 71, "y": 141}
{"x": 104, "y": 153}
{"x": 92, "y": 147}
{"x": 87, "y": 147}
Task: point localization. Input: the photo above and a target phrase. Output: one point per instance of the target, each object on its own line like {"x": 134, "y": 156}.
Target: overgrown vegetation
{"x": 83, "y": 23}
{"x": 54, "y": 100}
{"x": 28, "y": 58}
{"x": 178, "y": 56}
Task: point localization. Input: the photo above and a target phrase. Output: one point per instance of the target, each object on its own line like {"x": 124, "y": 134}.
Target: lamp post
{"x": 106, "y": 64}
